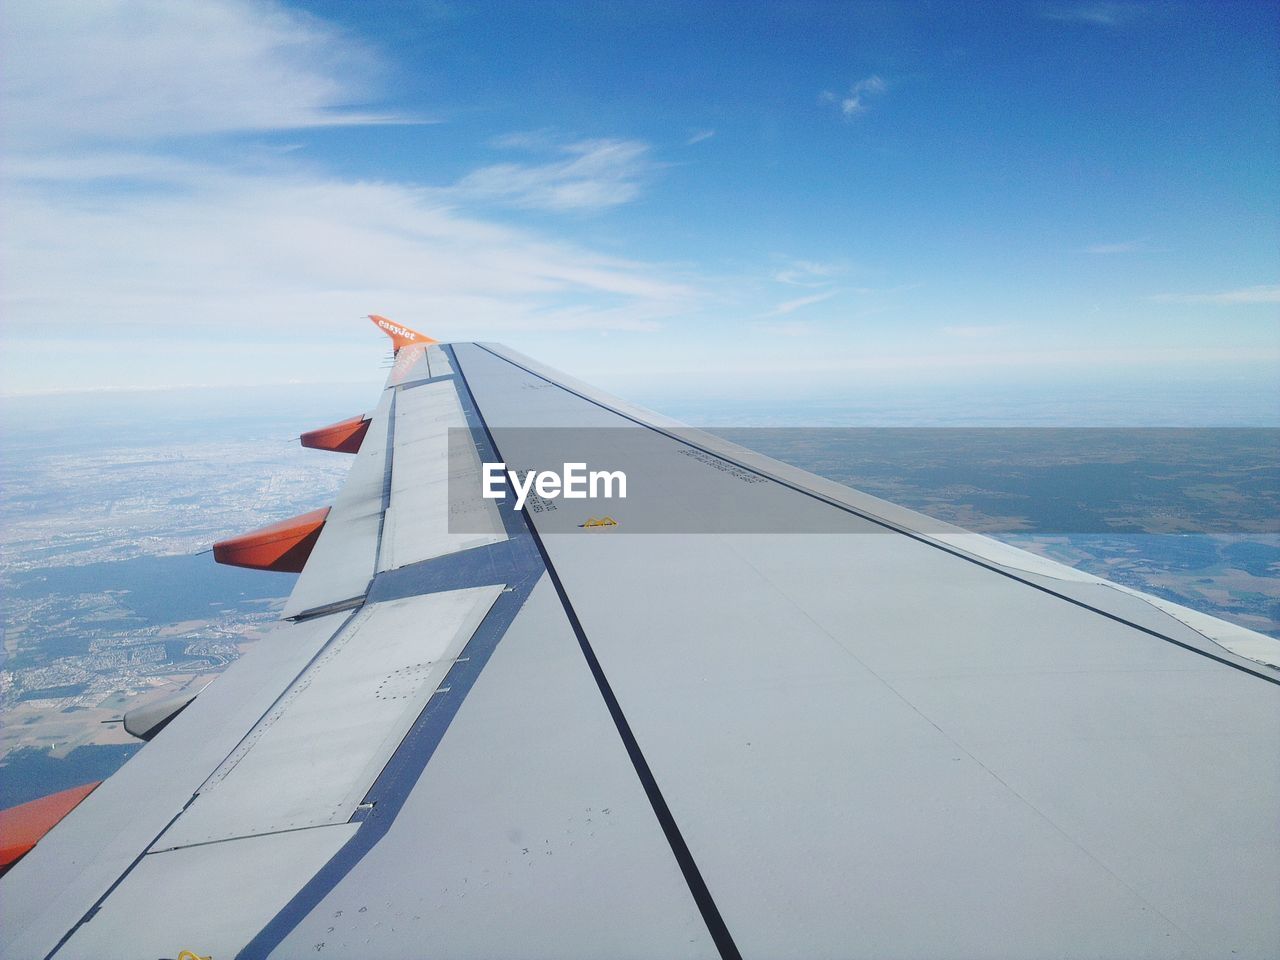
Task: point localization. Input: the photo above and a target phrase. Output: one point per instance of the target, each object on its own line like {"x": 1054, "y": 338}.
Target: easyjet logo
{"x": 397, "y": 330}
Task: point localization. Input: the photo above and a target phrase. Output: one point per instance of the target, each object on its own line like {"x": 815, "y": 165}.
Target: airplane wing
{"x": 742, "y": 712}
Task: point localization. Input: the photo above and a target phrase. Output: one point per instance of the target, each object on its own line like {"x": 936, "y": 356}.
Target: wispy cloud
{"x": 1096, "y": 14}
{"x": 1126, "y": 246}
{"x": 1266, "y": 293}
{"x": 232, "y": 248}
{"x": 854, "y": 103}
{"x": 248, "y": 240}
{"x": 126, "y": 72}
{"x": 544, "y": 139}
{"x": 699, "y": 136}
{"x": 807, "y": 273}
{"x": 587, "y": 175}
{"x": 791, "y": 306}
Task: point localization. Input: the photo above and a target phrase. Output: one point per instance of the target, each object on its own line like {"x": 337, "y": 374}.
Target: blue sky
{"x": 752, "y": 196}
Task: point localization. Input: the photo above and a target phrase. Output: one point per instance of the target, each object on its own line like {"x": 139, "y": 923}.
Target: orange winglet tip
{"x": 283, "y": 547}
{"x": 401, "y": 336}
{"x": 342, "y": 437}
{"x": 21, "y": 827}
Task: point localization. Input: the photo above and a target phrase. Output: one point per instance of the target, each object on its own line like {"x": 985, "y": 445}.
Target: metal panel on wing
{"x": 528, "y": 835}
{"x": 59, "y": 881}
{"x": 209, "y": 900}
{"x": 315, "y": 754}
{"x": 428, "y": 419}
{"x": 344, "y": 558}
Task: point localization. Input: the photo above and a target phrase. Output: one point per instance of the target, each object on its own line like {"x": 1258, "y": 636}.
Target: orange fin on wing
{"x": 343, "y": 437}
{"x": 21, "y": 827}
{"x": 283, "y": 546}
{"x": 401, "y": 336}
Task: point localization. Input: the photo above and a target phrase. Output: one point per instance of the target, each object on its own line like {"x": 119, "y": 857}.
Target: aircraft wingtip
{"x": 401, "y": 336}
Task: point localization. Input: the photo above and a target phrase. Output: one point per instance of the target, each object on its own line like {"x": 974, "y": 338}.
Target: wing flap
{"x": 312, "y": 758}
{"x": 209, "y": 900}
{"x": 52, "y": 889}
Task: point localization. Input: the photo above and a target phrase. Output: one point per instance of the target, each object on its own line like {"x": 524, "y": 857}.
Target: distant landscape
{"x": 109, "y": 600}
{"x": 1190, "y": 515}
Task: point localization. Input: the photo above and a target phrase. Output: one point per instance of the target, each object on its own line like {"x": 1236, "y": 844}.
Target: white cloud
{"x": 588, "y": 175}
{"x": 854, "y": 103}
{"x": 128, "y": 264}
{"x": 112, "y": 70}
{"x": 807, "y": 273}
{"x": 699, "y": 136}
{"x": 1260, "y": 294}
{"x": 231, "y": 249}
{"x": 141, "y": 287}
{"x": 791, "y": 306}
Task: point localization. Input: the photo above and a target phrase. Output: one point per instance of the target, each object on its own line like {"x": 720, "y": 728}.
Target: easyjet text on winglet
{"x": 398, "y": 330}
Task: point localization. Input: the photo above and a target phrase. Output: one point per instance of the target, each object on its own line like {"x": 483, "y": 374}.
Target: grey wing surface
{"x": 756, "y": 714}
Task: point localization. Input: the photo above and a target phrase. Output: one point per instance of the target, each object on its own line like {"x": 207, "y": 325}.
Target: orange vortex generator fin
{"x": 283, "y": 546}
{"x": 400, "y": 336}
{"x": 343, "y": 437}
{"x": 21, "y": 827}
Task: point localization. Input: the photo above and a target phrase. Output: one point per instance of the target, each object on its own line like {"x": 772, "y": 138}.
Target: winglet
{"x": 400, "y": 336}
